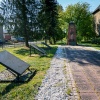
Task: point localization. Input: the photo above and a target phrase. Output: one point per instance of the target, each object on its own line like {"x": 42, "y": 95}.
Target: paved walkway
{"x": 74, "y": 74}
{"x": 85, "y": 66}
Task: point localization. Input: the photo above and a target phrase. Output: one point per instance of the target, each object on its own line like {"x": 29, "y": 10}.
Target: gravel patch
{"x": 7, "y": 75}
{"x": 54, "y": 84}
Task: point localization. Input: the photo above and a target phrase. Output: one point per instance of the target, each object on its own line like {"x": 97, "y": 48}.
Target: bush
{"x": 96, "y": 41}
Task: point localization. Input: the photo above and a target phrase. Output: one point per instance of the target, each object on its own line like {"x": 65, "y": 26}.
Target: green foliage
{"x": 50, "y": 27}
{"x": 60, "y": 8}
{"x": 62, "y": 42}
{"x": 79, "y": 37}
{"x": 98, "y": 28}
{"x": 89, "y": 44}
{"x": 62, "y": 24}
{"x": 96, "y": 40}
{"x": 20, "y": 17}
{"x": 34, "y": 19}
{"x": 68, "y": 91}
{"x": 2, "y": 68}
{"x": 80, "y": 14}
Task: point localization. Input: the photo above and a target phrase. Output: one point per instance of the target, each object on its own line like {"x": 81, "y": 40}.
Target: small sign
{"x": 38, "y": 48}
{"x": 13, "y": 63}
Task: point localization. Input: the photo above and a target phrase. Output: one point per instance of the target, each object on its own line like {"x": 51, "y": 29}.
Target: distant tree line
{"x": 83, "y": 18}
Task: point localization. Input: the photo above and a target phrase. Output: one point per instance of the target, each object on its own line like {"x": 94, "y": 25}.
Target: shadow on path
{"x": 82, "y": 56}
{"x": 85, "y": 66}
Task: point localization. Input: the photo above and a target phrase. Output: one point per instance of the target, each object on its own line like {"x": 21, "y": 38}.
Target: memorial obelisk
{"x": 71, "y": 39}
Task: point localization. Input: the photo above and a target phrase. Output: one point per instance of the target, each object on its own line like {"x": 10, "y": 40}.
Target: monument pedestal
{"x": 71, "y": 40}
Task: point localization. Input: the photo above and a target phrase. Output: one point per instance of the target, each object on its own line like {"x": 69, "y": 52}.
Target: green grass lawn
{"x": 96, "y": 46}
{"x": 26, "y": 91}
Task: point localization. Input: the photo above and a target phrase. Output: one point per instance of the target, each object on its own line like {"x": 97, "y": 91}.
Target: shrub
{"x": 96, "y": 41}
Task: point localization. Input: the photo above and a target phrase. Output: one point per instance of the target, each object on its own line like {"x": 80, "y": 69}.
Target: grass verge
{"x": 96, "y": 46}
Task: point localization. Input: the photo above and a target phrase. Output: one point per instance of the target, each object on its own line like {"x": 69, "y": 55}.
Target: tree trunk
{"x": 26, "y": 40}
{"x": 25, "y": 23}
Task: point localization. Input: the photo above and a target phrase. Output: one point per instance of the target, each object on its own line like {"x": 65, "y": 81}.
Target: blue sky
{"x": 93, "y": 3}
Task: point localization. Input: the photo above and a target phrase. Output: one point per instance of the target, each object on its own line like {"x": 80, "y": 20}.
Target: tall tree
{"x": 20, "y": 16}
{"x": 49, "y": 19}
{"x": 61, "y": 21}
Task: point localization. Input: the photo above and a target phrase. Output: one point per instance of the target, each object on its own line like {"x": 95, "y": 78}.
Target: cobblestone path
{"x": 85, "y": 65}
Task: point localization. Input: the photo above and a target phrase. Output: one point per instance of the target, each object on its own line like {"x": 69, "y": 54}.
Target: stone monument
{"x": 71, "y": 40}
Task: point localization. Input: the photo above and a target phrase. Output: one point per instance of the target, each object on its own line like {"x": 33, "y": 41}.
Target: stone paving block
{"x": 97, "y": 87}
{"x": 78, "y": 78}
{"x": 77, "y": 70}
{"x": 79, "y": 75}
{"x": 92, "y": 75}
{"x": 81, "y": 81}
{"x": 76, "y": 67}
{"x": 84, "y": 88}
{"x": 88, "y": 72}
{"x": 95, "y": 80}
{"x": 98, "y": 72}
{"x": 98, "y": 95}
{"x": 88, "y": 96}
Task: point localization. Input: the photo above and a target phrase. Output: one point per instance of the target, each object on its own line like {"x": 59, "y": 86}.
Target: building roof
{"x": 96, "y": 10}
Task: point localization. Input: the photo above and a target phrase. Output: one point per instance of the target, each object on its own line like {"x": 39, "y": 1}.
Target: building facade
{"x": 96, "y": 15}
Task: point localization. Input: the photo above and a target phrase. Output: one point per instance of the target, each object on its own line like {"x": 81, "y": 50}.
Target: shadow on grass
{"x": 89, "y": 45}
{"x": 16, "y": 83}
{"x": 10, "y": 87}
{"x": 61, "y": 43}
{"x": 51, "y": 52}
{"x": 23, "y": 51}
